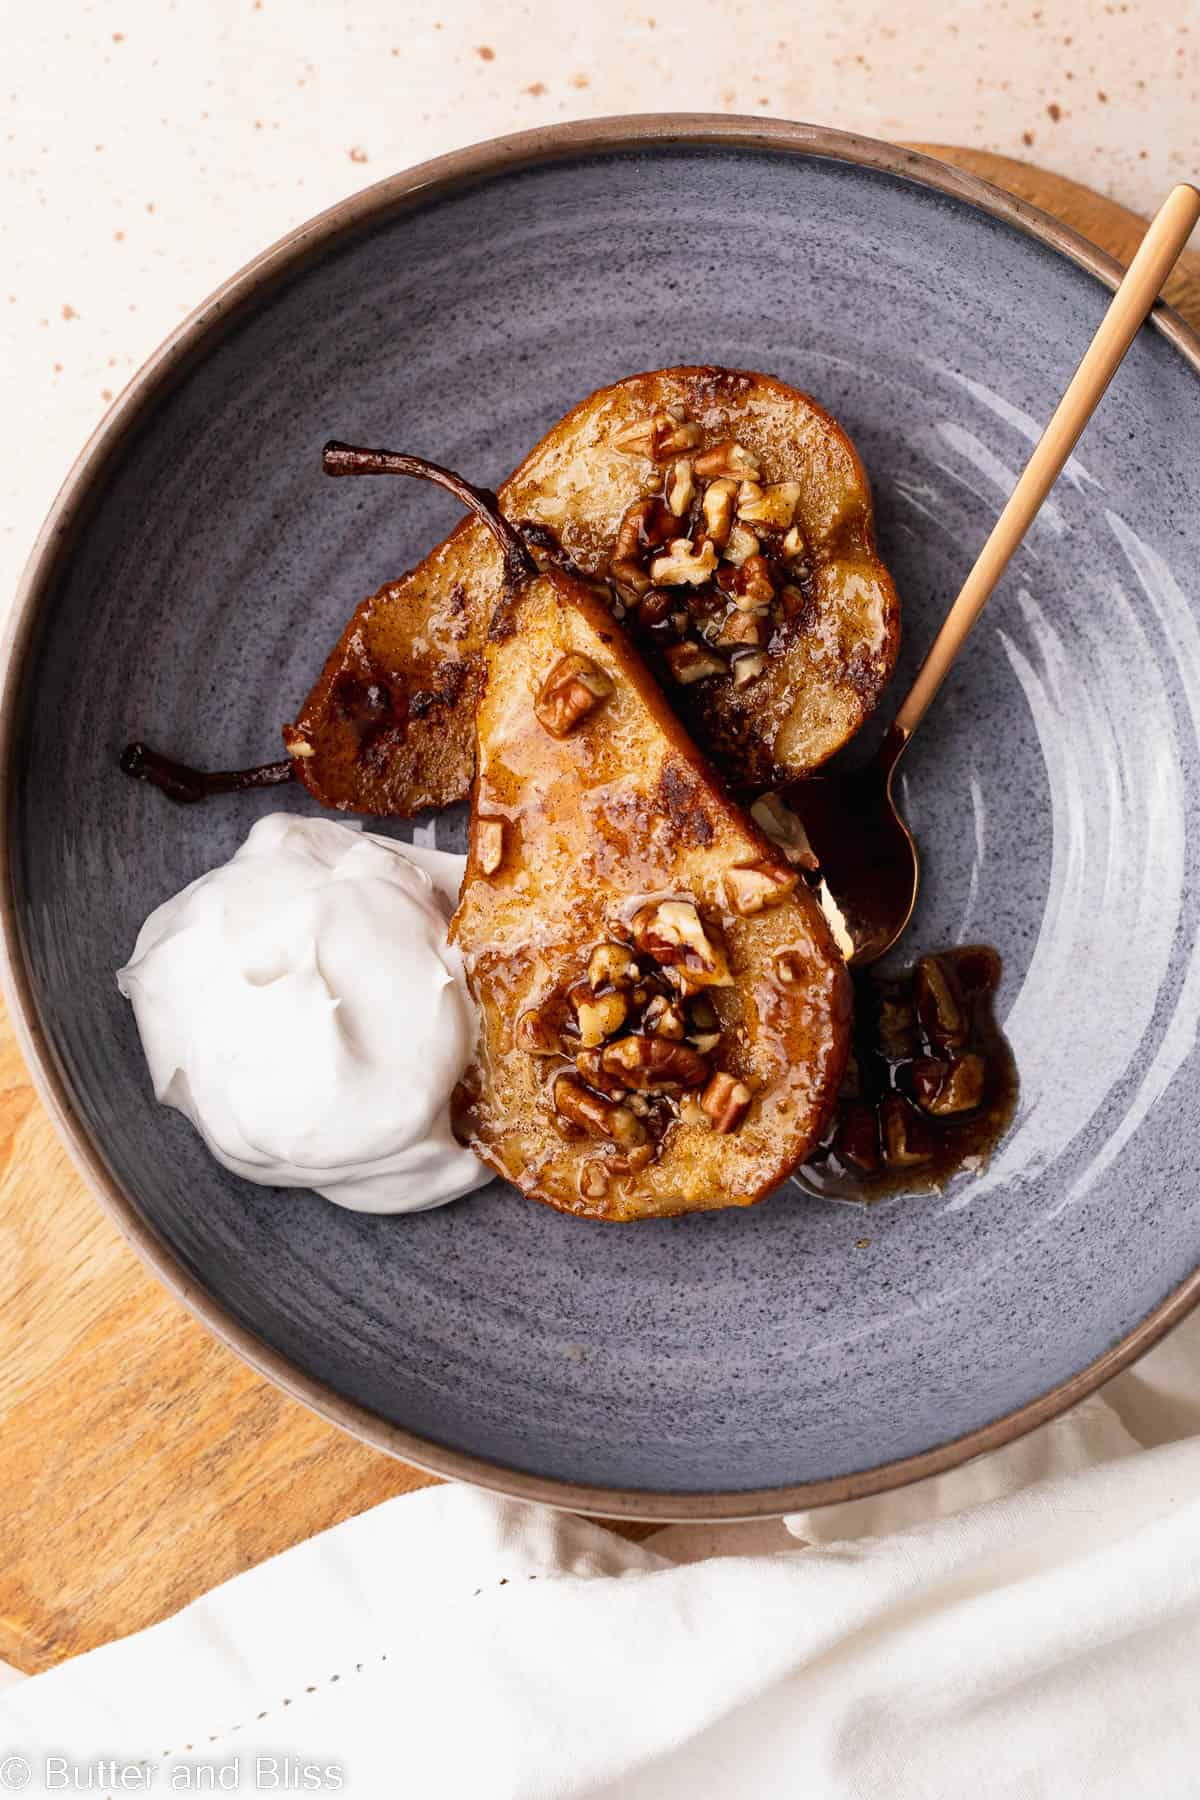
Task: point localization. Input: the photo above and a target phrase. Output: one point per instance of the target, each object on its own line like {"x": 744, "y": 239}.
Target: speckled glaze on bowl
{"x": 195, "y": 571}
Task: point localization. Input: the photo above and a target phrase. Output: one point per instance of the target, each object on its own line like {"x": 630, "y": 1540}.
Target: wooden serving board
{"x": 141, "y": 1462}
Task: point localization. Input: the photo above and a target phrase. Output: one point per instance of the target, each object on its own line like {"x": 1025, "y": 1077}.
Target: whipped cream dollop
{"x": 302, "y": 1007}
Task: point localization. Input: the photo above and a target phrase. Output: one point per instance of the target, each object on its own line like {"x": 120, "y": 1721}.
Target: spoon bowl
{"x": 868, "y": 868}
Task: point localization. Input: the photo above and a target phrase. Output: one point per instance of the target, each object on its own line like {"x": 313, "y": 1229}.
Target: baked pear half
{"x": 724, "y": 518}
{"x": 664, "y": 1015}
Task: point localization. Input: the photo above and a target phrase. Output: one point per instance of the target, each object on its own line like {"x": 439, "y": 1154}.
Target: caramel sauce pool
{"x": 931, "y": 1086}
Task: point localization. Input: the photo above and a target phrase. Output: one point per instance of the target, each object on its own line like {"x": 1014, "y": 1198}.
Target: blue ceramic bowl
{"x": 197, "y": 568}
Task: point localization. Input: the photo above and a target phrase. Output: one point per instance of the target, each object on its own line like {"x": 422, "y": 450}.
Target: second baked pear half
{"x": 726, "y": 520}
{"x": 664, "y": 1015}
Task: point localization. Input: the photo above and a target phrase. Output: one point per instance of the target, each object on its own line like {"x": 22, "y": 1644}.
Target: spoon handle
{"x": 1157, "y": 255}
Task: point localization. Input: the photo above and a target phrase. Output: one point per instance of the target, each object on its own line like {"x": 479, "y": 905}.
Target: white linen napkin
{"x": 1028, "y": 1625}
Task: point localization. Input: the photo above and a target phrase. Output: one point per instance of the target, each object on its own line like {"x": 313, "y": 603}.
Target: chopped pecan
{"x": 775, "y": 505}
{"x": 726, "y": 1101}
{"x": 599, "y": 1117}
{"x": 589, "y": 1065}
{"x": 629, "y": 578}
{"x": 645, "y": 525}
{"x": 944, "y": 1088}
{"x": 489, "y": 844}
{"x": 297, "y": 743}
{"x": 939, "y": 1004}
{"x": 641, "y": 1061}
{"x": 599, "y": 1016}
{"x": 750, "y": 585}
{"x": 742, "y": 630}
{"x": 593, "y": 1179}
{"x": 664, "y": 1017}
{"x": 717, "y": 507}
{"x": 704, "y": 604}
{"x": 681, "y": 488}
{"x": 611, "y": 965}
{"x": 655, "y": 610}
{"x": 671, "y": 931}
{"x": 658, "y": 437}
{"x": 728, "y": 458}
{"x": 626, "y": 1129}
{"x": 784, "y": 829}
{"x": 741, "y": 544}
{"x": 628, "y": 1162}
{"x": 641, "y": 437}
{"x": 574, "y": 687}
{"x": 690, "y": 662}
{"x": 684, "y": 564}
{"x": 751, "y": 888}
{"x": 748, "y": 668}
{"x": 685, "y": 436}
{"x": 906, "y": 1139}
{"x": 794, "y": 546}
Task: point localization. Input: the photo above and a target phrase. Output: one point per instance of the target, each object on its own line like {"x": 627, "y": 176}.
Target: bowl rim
{"x": 408, "y": 190}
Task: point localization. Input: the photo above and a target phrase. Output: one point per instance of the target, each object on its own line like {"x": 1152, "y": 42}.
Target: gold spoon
{"x": 868, "y": 867}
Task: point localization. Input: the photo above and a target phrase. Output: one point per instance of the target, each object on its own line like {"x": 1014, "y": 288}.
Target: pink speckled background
{"x": 152, "y": 146}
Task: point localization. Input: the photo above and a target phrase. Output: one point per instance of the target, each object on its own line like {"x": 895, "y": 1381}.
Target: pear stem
{"x": 178, "y": 781}
{"x": 346, "y": 459}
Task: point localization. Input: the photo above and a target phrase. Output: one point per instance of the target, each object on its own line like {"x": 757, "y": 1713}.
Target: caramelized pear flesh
{"x": 664, "y": 1016}
{"x": 773, "y": 666}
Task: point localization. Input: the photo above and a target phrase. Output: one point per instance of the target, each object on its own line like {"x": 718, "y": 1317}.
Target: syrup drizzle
{"x": 903, "y": 1043}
